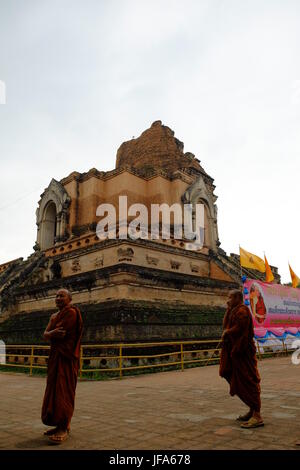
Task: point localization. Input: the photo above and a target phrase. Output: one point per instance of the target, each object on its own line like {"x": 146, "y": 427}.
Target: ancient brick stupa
{"x": 128, "y": 290}
{"x": 156, "y": 148}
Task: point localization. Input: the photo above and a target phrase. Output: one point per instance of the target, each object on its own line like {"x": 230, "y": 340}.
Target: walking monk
{"x": 64, "y": 332}
{"x": 238, "y": 364}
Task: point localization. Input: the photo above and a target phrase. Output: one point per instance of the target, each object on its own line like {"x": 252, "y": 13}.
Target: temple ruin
{"x": 128, "y": 290}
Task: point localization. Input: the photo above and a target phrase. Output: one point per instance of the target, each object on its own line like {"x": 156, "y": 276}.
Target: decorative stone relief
{"x": 46, "y": 271}
{"x": 194, "y": 268}
{"x": 175, "y": 264}
{"x": 125, "y": 254}
{"x": 76, "y": 265}
{"x": 99, "y": 261}
{"x": 37, "y": 277}
{"x": 152, "y": 260}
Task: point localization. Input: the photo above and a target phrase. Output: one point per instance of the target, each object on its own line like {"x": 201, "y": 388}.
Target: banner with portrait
{"x": 275, "y": 310}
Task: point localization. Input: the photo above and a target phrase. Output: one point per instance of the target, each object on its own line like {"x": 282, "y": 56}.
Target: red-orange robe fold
{"x": 261, "y": 310}
{"x": 238, "y": 363}
{"x": 63, "y": 365}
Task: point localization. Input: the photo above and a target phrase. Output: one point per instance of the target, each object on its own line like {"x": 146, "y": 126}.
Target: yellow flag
{"x": 294, "y": 277}
{"x": 248, "y": 260}
{"x": 269, "y": 274}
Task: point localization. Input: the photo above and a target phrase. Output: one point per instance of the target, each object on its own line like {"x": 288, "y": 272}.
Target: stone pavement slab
{"x": 167, "y": 410}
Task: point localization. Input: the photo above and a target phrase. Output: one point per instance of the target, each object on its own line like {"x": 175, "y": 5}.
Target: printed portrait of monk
{"x": 257, "y": 304}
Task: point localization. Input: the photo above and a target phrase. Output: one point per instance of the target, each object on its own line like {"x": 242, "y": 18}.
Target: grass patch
{"x": 23, "y": 370}
{"x": 102, "y": 375}
{"x": 99, "y": 375}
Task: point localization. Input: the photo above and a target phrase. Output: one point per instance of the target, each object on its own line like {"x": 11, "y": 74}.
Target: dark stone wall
{"x": 123, "y": 321}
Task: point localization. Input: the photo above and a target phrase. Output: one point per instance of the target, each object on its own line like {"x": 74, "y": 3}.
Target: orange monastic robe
{"x": 238, "y": 363}
{"x": 260, "y": 310}
{"x": 63, "y": 365}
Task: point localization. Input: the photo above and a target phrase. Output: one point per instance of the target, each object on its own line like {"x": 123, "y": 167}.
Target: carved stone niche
{"x": 125, "y": 254}
{"x": 152, "y": 260}
{"x": 194, "y": 268}
{"x": 55, "y": 270}
{"x": 201, "y": 192}
{"x": 75, "y": 267}
{"x": 52, "y": 216}
{"x": 175, "y": 264}
{"x": 99, "y": 261}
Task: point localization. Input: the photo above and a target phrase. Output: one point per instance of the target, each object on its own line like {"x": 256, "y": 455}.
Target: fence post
{"x": 259, "y": 355}
{"x": 285, "y": 346}
{"x": 182, "y": 357}
{"x": 31, "y": 360}
{"x": 80, "y": 362}
{"x": 120, "y": 360}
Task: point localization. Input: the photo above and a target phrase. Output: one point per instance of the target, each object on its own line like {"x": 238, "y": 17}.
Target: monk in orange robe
{"x": 261, "y": 310}
{"x": 64, "y": 332}
{"x": 257, "y": 304}
{"x": 238, "y": 363}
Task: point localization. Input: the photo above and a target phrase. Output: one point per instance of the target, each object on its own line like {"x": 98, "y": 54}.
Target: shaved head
{"x": 237, "y": 294}
{"x": 235, "y": 298}
{"x": 68, "y": 293}
{"x": 63, "y": 298}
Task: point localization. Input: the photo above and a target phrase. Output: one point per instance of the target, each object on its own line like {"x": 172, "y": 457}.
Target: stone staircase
{"x": 14, "y": 276}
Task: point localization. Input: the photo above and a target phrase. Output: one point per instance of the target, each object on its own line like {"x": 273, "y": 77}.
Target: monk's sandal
{"x": 245, "y": 417}
{"x": 252, "y": 423}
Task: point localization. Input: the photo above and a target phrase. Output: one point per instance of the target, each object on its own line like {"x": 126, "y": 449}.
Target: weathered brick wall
{"x": 123, "y": 321}
{"x": 155, "y": 148}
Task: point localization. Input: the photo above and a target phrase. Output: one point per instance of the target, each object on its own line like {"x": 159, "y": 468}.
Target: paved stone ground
{"x": 168, "y": 410}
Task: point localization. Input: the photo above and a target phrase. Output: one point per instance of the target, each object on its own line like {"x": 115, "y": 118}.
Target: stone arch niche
{"x": 201, "y": 192}
{"x": 52, "y": 216}
{"x": 48, "y": 226}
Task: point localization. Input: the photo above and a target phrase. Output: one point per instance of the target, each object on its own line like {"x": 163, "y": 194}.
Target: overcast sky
{"x": 82, "y": 76}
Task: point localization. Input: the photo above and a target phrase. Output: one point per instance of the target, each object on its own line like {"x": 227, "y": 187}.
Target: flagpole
{"x": 240, "y": 262}
{"x": 241, "y": 274}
